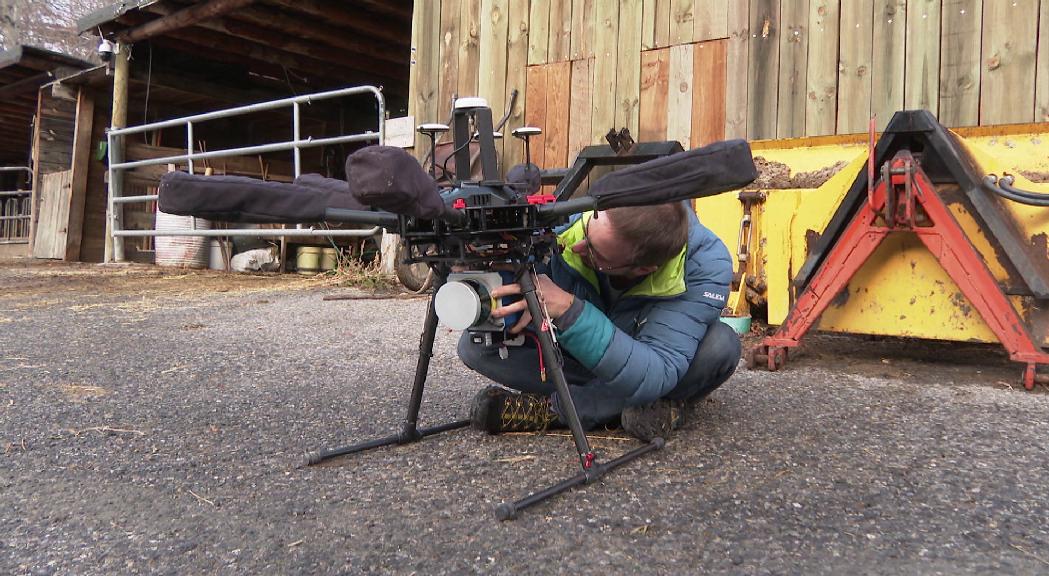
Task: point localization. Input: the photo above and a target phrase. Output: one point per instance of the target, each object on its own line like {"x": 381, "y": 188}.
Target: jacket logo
{"x": 713, "y": 296}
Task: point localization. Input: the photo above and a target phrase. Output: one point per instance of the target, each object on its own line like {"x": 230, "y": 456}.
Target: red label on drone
{"x": 459, "y": 203}
{"x": 541, "y": 198}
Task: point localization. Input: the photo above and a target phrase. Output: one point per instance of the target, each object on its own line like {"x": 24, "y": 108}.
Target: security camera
{"x": 106, "y": 50}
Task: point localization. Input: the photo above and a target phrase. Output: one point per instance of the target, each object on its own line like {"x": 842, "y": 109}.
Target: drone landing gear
{"x": 591, "y": 469}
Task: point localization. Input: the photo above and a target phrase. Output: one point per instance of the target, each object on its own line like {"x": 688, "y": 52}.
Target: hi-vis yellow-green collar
{"x": 668, "y": 280}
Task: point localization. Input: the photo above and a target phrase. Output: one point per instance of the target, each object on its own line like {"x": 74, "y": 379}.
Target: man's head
{"x": 634, "y": 241}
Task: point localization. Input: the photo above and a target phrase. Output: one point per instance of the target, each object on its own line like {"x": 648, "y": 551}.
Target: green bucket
{"x": 741, "y": 324}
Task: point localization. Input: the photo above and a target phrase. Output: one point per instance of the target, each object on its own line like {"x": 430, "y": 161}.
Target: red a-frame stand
{"x": 905, "y": 200}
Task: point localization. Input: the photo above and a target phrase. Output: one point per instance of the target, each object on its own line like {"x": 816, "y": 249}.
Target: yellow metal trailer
{"x": 901, "y": 290}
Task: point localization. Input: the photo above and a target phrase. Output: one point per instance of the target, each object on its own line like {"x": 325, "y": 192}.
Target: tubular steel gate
{"x": 15, "y": 211}
{"x": 117, "y": 165}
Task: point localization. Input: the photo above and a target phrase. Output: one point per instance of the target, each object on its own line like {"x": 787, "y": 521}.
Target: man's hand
{"x": 557, "y": 301}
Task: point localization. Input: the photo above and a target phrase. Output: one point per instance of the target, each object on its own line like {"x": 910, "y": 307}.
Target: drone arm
{"x": 386, "y": 220}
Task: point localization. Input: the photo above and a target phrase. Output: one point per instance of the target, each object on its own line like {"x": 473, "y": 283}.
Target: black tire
{"x": 414, "y": 277}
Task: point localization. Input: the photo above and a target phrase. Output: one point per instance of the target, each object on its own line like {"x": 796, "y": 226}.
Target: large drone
{"x": 477, "y": 226}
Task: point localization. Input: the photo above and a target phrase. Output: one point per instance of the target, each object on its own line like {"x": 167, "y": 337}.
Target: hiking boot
{"x": 497, "y": 410}
{"x": 655, "y": 420}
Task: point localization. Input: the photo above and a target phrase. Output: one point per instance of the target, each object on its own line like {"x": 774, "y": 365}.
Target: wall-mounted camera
{"x": 106, "y": 49}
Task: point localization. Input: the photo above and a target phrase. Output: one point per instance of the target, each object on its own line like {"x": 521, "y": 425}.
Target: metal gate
{"x": 116, "y": 232}
{"x": 15, "y": 210}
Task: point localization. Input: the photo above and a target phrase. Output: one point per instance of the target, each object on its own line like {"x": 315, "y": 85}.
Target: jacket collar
{"x": 665, "y": 282}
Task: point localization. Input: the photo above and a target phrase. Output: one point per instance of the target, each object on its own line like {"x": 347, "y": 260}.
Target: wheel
{"x": 414, "y": 277}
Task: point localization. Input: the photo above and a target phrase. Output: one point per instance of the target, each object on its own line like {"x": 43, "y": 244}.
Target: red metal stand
{"x": 904, "y": 200}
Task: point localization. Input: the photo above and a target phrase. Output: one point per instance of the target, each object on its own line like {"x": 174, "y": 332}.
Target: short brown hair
{"x": 657, "y": 233}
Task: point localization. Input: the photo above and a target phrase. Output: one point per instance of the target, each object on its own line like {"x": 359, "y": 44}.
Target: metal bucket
{"x": 181, "y": 251}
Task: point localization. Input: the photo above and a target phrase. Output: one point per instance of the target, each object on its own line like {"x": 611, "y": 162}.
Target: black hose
{"x": 1003, "y": 187}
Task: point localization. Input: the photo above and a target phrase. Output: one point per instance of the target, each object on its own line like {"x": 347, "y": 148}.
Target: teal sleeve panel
{"x": 588, "y": 337}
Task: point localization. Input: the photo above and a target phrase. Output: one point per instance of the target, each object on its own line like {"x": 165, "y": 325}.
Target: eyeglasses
{"x": 594, "y": 255}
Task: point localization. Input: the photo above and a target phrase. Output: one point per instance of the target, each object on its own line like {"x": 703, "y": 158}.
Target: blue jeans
{"x": 714, "y": 363}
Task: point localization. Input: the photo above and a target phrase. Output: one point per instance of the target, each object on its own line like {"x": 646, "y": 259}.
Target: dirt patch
{"x": 1035, "y": 176}
{"x": 26, "y": 283}
{"x": 776, "y": 175}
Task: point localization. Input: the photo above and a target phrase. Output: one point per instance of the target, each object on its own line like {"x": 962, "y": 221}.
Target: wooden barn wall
{"x": 702, "y": 70}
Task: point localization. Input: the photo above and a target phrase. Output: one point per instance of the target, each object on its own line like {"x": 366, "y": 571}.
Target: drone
{"x": 475, "y": 234}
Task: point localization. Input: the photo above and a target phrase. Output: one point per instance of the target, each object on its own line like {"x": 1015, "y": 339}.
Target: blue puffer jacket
{"x": 641, "y": 346}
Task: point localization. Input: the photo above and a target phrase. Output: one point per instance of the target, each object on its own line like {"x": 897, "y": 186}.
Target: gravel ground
{"x": 153, "y": 430}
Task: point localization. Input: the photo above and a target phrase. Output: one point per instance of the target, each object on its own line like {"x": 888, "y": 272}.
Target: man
{"x": 634, "y": 295}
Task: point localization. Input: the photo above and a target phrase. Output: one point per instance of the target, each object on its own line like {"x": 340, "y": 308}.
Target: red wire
{"x": 539, "y": 348}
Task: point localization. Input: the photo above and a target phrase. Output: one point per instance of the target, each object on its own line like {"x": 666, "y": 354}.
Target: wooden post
{"x": 114, "y": 213}
{"x": 34, "y": 203}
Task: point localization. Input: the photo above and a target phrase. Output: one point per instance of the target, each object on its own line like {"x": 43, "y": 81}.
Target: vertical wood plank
{"x": 558, "y": 105}
{"x": 491, "y": 82}
{"x": 708, "y": 92}
{"x": 737, "y": 61}
{"x": 793, "y": 66}
{"x": 681, "y": 21}
{"x": 582, "y": 29}
{"x": 449, "y": 57}
{"x": 679, "y": 97}
{"x": 560, "y": 46}
{"x": 662, "y": 32}
{"x": 606, "y": 53}
{"x": 960, "y": 62}
{"x": 628, "y": 67}
{"x": 35, "y": 195}
{"x": 1010, "y": 35}
{"x": 535, "y": 111}
{"x": 887, "y": 62}
{"x": 516, "y": 79}
{"x": 655, "y": 78}
{"x": 854, "y": 67}
{"x": 710, "y": 19}
{"x": 581, "y": 108}
{"x": 763, "y": 72}
{"x": 922, "y": 69}
{"x": 539, "y": 32}
{"x": 821, "y": 106}
{"x": 85, "y": 116}
{"x": 648, "y": 25}
{"x": 469, "y": 46}
{"x": 1041, "y": 107}
{"x": 423, "y": 76}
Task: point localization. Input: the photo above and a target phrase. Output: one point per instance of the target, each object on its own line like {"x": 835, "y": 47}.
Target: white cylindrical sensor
{"x": 462, "y": 304}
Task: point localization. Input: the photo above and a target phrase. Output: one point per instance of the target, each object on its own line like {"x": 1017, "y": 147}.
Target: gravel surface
{"x": 161, "y": 431}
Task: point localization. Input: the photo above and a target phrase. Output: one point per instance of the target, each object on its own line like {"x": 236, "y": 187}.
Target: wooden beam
{"x": 362, "y": 55}
{"x": 215, "y": 45}
{"x": 188, "y": 16}
{"x": 329, "y": 12}
{"x": 303, "y": 30}
{"x": 24, "y": 85}
{"x": 85, "y": 115}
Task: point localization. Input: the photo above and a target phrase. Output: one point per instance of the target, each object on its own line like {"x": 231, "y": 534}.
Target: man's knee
{"x": 721, "y": 347}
